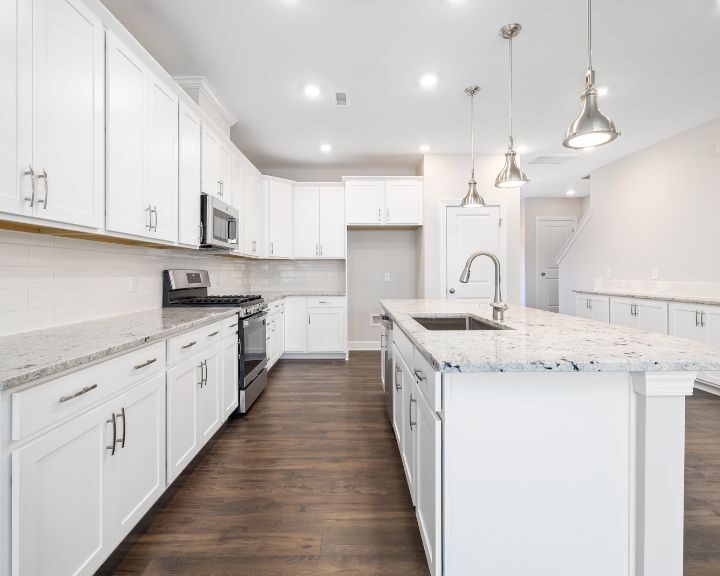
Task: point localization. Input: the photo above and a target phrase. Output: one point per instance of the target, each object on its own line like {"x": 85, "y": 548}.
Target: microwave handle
{"x": 233, "y": 236}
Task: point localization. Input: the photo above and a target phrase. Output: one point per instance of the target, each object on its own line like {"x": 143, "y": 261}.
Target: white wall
{"x": 371, "y": 253}
{"x": 320, "y": 174}
{"x": 534, "y": 208}
{"x": 446, "y": 178}
{"x": 657, "y": 208}
{"x": 48, "y": 281}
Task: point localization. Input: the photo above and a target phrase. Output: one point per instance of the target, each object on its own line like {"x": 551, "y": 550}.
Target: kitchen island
{"x": 543, "y": 444}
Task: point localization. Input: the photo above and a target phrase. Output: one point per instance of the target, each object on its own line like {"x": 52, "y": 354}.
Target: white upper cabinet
{"x": 216, "y": 164}
{"x": 142, "y": 144}
{"x": 375, "y": 202}
{"x": 238, "y": 197}
{"x": 318, "y": 222}
{"x": 252, "y": 210}
{"x": 403, "y": 202}
{"x": 279, "y": 212}
{"x": 60, "y": 158}
{"x": 189, "y": 156}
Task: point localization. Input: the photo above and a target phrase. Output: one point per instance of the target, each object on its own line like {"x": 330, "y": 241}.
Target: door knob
{"x": 542, "y": 273}
{"x": 452, "y": 290}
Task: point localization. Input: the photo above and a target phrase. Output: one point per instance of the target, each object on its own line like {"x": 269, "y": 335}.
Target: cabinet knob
{"x": 542, "y": 273}
{"x": 452, "y": 290}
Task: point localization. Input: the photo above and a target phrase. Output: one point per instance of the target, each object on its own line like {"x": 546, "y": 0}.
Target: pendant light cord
{"x": 589, "y": 33}
{"x": 511, "y": 91}
{"x": 472, "y": 132}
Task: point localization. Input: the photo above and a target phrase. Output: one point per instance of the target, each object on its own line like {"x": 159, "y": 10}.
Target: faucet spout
{"x": 498, "y": 305}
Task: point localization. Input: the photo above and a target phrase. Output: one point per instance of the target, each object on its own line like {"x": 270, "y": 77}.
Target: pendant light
{"x": 592, "y": 128}
{"x": 511, "y": 176}
{"x": 472, "y": 198}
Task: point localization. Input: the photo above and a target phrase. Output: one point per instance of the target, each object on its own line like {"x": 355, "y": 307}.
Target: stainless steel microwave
{"x": 218, "y": 223}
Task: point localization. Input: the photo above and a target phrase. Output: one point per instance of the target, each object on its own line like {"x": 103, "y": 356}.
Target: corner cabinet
{"x": 142, "y": 148}
{"x": 389, "y": 202}
{"x": 60, "y": 148}
{"x": 318, "y": 222}
{"x": 315, "y": 325}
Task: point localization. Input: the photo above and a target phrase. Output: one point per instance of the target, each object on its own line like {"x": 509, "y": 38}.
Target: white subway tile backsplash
{"x": 26, "y": 320}
{"x": 13, "y": 299}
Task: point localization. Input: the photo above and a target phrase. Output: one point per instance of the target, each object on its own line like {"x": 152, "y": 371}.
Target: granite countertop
{"x": 273, "y": 296}
{"x": 689, "y": 299}
{"x": 32, "y": 355}
{"x": 542, "y": 341}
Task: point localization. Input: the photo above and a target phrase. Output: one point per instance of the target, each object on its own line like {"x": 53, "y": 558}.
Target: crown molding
{"x": 197, "y": 85}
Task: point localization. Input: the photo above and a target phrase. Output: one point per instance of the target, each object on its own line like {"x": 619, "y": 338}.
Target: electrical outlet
{"x": 608, "y": 273}
{"x": 387, "y": 276}
{"x": 654, "y": 274}
{"x": 133, "y": 284}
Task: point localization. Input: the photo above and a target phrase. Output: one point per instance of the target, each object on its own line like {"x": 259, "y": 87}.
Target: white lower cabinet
{"x": 230, "y": 372}
{"x": 79, "y": 489}
{"x": 408, "y": 428}
{"x": 315, "y": 325}
{"x": 209, "y": 403}
{"x": 397, "y": 395}
{"x": 697, "y": 322}
{"x": 275, "y": 332}
{"x": 649, "y": 315}
{"x": 593, "y": 307}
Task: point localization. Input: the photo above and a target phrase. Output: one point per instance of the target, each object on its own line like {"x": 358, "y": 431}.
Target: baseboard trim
{"x": 706, "y": 387}
{"x": 364, "y": 345}
{"x": 314, "y": 356}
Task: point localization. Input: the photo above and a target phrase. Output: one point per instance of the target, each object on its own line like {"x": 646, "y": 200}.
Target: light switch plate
{"x": 133, "y": 284}
{"x": 608, "y": 273}
{"x": 387, "y": 276}
{"x": 654, "y": 274}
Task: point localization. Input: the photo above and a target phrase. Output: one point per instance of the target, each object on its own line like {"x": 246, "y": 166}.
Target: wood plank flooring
{"x": 310, "y": 483}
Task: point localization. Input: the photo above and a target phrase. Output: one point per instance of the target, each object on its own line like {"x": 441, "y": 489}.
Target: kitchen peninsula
{"x": 545, "y": 444}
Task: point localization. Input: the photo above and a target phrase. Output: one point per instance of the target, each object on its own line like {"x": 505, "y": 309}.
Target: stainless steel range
{"x": 189, "y": 288}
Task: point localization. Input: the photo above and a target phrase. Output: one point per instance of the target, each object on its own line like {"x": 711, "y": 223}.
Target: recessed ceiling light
{"x": 570, "y": 192}
{"x": 312, "y": 90}
{"x": 428, "y": 81}
{"x": 602, "y": 90}
{"x": 522, "y": 149}
{"x": 425, "y": 148}
{"x": 325, "y": 148}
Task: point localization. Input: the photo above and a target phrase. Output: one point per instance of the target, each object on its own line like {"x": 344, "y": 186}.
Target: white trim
{"x": 663, "y": 383}
{"x": 454, "y": 203}
{"x": 414, "y": 178}
{"x": 707, "y": 387}
{"x": 314, "y": 356}
{"x": 364, "y": 345}
{"x": 538, "y": 282}
{"x": 196, "y": 85}
{"x": 578, "y": 230}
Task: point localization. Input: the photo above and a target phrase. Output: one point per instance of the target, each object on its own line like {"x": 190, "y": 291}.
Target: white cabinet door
{"x": 209, "y": 402}
{"x": 210, "y": 161}
{"x": 139, "y": 463}
{"x": 279, "y": 219}
{"x": 68, "y": 112}
{"x": 403, "y": 202}
{"x": 326, "y": 330}
{"x": 229, "y": 375}
{"x": 365, "y": 202}
{"x": 183, "y": 387}
{"x": 407, "y": 422}
{"x": 280, "y": 333}
{"x": 190, "y": 159}
{"x": 225, "y": 172}
{"x": 428, "y": 468}
{"x": 162, "y": 166}
{"x": 397, "y": 420}
{"x": 296, "y": 325}
{"x": 252, "y": 211}
{"x": 652, "y": 315}
{"x": 622, "y": 312}
{"x": 126, "y": 103}
{"x": 600, "y": 308}
{"x": 59, "y": 522}
{"x": 582, "y": 307}
{"x": 306, "y": 222}
{"x": 238, "y": 198}
{"x": 685, "y": 322}
{"x": 332, "y": 223}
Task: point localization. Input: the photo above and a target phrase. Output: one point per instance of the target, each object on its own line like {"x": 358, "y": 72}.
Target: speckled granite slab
{"x": 542, "y": 341}
{"x": 32, "y": 355}
{"x": 708, "y": 300}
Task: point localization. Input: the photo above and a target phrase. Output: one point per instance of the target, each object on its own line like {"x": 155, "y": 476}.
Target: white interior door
{"x": 469, "y": 230}
{"x": 551, "y": 235}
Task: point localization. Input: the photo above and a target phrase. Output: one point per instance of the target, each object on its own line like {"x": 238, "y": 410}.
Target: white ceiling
{"x": 659, "y": 59}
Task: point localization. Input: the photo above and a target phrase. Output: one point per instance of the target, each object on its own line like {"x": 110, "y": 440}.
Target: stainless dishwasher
{"x": 386, "y": 363}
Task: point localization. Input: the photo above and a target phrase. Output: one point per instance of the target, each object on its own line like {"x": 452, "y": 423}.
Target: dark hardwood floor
{"x": 310, "y": 483}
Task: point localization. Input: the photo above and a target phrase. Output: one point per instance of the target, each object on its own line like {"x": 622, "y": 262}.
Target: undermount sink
{"x": 456, "y": 323}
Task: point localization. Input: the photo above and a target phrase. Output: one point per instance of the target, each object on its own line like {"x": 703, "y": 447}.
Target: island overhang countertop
{"x": 539, "y": 341}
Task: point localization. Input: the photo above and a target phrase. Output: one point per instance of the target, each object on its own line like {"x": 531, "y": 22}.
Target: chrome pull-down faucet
{"x": 498, "y": 305}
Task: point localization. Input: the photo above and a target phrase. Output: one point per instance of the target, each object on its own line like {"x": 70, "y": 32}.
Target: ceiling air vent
{"x": 552, "y": 159}
{"x": 341, "y": 98}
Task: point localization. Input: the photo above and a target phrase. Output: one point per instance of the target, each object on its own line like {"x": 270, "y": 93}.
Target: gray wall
{"x": 371, "y": 253}
{"x": 657, "y": 208}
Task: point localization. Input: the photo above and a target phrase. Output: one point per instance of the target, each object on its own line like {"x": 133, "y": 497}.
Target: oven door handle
{"x": 258, "y": 316}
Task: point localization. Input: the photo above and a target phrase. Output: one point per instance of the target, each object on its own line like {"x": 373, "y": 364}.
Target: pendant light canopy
{"x": 592, "y": 128}
{"x": 472, "y": 198}
{"x": 511, "y": 176}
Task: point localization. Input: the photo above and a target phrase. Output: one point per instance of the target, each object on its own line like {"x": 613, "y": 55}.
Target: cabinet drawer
{"x": 230, "y": 326}
{"x": 189, "y": 343}
{"x": 405, "y": 347}
{"x": 428, "y": 381}
{"x": 277, "y": 305}
{"x": 326, "y": 302}
{"x": 43, "y": 405}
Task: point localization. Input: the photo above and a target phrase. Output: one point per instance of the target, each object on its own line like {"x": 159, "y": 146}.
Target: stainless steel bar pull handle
{"x": 154, "y": 211}
{"x": 205, "y": 372}
{"x": 412, "y": 401}
{"x": 122, "y": 415}
{"x": 30, "y": 172}
{"x": 379, "y": 214}
{"x": 189, "y": 345}
{"x": 214, "y": 334}
{"x": 702, "y": 318}
{"x": 144, "y": 364}
{"x": 44, "y": 201}
{"x": 398, "y": 381}
{"x": 420, "y": 375}
{"x": 113, "y": 420}
{"x": 78, "y": 393}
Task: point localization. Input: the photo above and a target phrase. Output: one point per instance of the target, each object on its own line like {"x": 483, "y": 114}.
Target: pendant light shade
{"x": 472, "y": 198}
{"x": 511, "y": 176}
{"x": 591, "y": 128}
